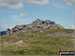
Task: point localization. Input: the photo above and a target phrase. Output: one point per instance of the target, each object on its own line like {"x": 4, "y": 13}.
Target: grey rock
{"x": 19, "y": 42}
{"x": 61, "y": 34}
{"x": 46, "y": 24}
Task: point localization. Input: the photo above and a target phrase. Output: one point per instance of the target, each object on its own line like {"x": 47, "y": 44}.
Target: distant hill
{"x": 3, "y": 33}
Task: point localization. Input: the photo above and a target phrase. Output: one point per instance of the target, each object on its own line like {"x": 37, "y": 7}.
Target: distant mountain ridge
{"x": 3, "y": 33}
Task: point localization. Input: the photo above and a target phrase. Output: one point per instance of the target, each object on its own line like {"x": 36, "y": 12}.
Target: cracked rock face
{"x": 46, "y": 24}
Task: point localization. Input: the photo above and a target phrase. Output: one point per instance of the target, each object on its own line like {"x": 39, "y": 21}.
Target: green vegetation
{"x": 36, "y": 43}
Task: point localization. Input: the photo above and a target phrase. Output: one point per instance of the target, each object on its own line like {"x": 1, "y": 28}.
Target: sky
{"x": 20, "y": 12}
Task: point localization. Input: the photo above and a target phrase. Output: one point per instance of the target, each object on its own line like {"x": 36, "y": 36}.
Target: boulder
{"x": 46, "y": 24}
{"x": 19, "y": 43}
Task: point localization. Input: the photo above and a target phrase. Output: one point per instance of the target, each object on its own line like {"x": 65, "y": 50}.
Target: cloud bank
{"x": 41, "y": 2}
{"x": 17, "y": 4}
{"x": 73, "y": 26}
{"x": 23, "y": 14}
{"x": 12, "y": 6}
{"x": 69, "y": 2}
{"x": 31, "y": 1}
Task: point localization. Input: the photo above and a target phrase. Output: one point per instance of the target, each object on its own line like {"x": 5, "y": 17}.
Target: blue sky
{"x": 25, "y": 12}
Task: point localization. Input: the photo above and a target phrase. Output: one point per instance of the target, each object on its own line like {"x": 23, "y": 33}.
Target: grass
{"x": 37, "y": 43}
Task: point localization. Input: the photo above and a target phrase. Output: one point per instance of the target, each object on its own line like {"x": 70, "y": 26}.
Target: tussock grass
{"x": 37, "y": 43}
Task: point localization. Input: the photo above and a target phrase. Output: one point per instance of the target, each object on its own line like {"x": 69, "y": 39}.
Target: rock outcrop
{"x": 37, "y": 24}
{"x": 62, "y": 34}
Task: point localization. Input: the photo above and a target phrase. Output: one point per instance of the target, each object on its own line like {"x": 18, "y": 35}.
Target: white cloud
{"x": 10, "y": 27}
{"x": 23, "y": 14}
{"x": 10, "y": 1}
{"x": 31, "y": 1}
{"x": 16, "y": 4}
{"x": 69, "y": 2}
{"x": 4, "y": 5}
{"x": 12, "y": 6}
{"x": 73, "y": 26}
{"x": 7, "y": 26}
{"x": 41, "y": 2}
{"x": 18, "y": 18}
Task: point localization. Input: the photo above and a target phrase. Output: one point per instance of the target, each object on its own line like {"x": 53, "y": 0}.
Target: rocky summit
{"x": 37, "y": 24}
{"x": 42, "y": 37}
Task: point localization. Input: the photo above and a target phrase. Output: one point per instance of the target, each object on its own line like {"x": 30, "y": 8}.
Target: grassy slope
{"x": 37, "y": 43}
